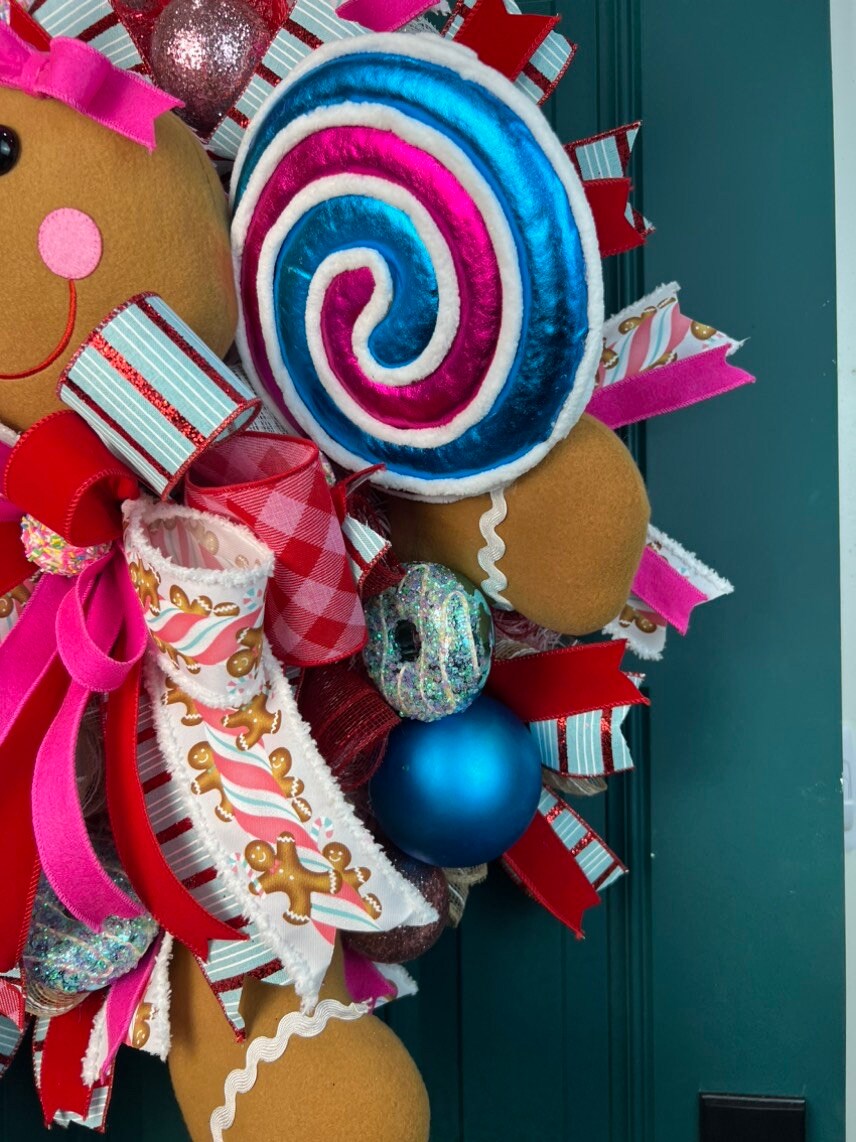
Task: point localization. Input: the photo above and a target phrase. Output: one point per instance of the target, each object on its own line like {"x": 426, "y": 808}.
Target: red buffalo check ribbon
{"x": 275, "y": 485}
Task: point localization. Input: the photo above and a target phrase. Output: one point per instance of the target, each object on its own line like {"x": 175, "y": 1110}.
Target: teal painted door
{"x": 718, "y": 963}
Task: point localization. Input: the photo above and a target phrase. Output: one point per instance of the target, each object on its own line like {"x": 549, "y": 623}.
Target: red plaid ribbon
{"x": 276, "y": 486}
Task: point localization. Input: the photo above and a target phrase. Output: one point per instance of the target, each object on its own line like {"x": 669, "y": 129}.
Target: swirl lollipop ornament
{"x": 418, "y": 269}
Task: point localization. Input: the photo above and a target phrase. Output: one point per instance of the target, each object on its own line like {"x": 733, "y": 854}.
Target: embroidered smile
{"x": 61, "y": 347}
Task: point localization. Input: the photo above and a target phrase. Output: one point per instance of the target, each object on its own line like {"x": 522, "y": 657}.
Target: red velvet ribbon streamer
{"x": 61, "y": 1085}
{"x": 548, "y": 872}
{"x": 502, "y": 39}
{"x": 565, "y": 682}
{"x": 60, "y": 473}
{"x": 23, "y": 25}
{"x": 608, "y": 199}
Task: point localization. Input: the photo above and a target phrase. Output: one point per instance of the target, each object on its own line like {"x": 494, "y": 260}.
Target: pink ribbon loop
{"x": 99, "y": 611}
{"x": 81, "y": 77}
{"x": 383, "y": 15}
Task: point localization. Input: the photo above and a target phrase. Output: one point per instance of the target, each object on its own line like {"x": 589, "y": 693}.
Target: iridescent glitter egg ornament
{"x": 65, "y": 958}
{"x": 430, "y": 642}
{"x": 404, "y": 944}
{"x": 460, "y": 791}
{"x": 204, "y": 53}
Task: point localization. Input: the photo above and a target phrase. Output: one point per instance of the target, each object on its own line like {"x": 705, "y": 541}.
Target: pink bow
{"x": 81, "y": 77}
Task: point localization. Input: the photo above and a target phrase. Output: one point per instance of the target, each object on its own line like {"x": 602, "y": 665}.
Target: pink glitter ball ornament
{"x": 204, "y": 52}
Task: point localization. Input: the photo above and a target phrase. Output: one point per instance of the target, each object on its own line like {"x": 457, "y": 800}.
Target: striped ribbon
{"x": 12, "y": 1001}
{"x": 602, "y": 162}
{"x": 599, "y": 864}
{"x": 154, "y": 392}
{"x": 585, "y": 746}
{"x": 93, "y": 22}
{"x": 10, "y": 1040}
{"x": 309, "y": 25}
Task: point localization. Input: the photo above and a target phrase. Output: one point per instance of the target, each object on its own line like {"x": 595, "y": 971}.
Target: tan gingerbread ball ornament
{"x": 573, "y": 534}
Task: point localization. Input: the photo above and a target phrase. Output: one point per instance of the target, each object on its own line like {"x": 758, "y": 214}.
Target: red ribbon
{"x": 565, "y": 682}
{"x": 23, "y": 24}
{"x": 60, "y": 473}
{"x": 502, "y": 39}
{"x": 608, "y": 199}
{"x": 548, "y": 872}
{"x": 61, "y": 1086}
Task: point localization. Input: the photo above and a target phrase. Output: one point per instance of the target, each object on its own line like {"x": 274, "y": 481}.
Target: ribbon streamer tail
{"x": 667, "y": 389}
{"x": 561, "y": 683}
{"x": 61, "y": 1086}
{"x": 548, "y": 872}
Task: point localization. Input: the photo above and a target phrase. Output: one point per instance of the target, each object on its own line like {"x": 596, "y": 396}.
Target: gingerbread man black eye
{"x": 10, "y": 149}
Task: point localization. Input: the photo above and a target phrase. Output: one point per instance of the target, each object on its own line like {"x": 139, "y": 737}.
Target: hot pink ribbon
{"x": 383, "y": 15}
{"x": 78, "y": 621}
{"x": 664, "y": 589}
{"x": 667, "y": 388}
{"x": 81, "y": 77}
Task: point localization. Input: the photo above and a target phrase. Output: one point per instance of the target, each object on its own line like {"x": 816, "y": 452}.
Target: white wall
{"x": 843, "y": 14}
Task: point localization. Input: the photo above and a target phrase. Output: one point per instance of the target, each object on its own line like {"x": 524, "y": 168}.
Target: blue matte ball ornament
{"x": 459, "y": 791}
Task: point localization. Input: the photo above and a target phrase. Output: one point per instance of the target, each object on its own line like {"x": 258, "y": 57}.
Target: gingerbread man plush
{"x": 100, "y": 218}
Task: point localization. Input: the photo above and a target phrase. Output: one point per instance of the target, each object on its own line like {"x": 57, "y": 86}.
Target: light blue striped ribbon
{"x": 599, "y": 864}
{"x": 73, "y": 18}
{"x": 154, "y": 392}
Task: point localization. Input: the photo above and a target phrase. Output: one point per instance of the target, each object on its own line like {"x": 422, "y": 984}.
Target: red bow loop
{"x": 61, "y": 474}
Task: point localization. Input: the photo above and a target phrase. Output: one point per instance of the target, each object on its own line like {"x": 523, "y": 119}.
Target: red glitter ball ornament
{"x": 404, "y": 944}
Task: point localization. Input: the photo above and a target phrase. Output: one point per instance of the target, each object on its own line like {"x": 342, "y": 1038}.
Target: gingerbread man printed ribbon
{"x": 289, "y": 852}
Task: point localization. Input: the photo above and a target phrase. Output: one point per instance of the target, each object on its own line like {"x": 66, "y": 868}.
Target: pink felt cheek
{"x": 70, "y": 244}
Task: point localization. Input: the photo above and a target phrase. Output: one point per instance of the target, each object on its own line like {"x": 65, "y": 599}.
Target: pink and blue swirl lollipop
{"x": 418, "y": 270}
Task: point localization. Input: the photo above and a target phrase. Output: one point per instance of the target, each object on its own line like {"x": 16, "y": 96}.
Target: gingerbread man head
{"x": 95, "y": 218}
